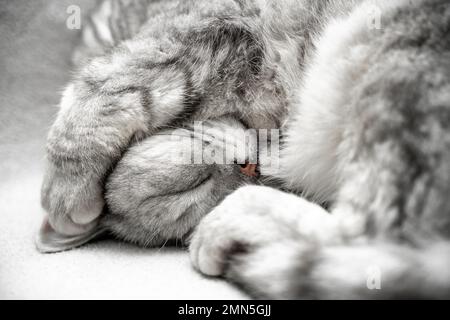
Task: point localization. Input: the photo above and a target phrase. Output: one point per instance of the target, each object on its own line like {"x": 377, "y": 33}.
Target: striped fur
{"x": 364, "y": 114}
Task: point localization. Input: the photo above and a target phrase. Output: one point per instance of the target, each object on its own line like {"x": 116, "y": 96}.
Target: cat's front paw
{"x": 241, "y": 224}
{"x": 259, "y": 237}
{"x": 73, "y": 204}
{"x": 253, "y": 218}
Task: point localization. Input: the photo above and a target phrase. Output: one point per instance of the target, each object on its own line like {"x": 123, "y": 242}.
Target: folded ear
{"x": 50, "y": 241}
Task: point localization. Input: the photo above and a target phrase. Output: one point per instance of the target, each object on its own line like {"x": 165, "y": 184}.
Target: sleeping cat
{"x": 364, "y": 109}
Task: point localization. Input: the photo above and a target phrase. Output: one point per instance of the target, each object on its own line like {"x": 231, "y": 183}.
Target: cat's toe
{"x": 231, "y": 231}
{"x": 213, "y": 257}
{"x": 208, "y": 249}
{"x": 73, "y": 203}
{"x": 217, "y": 241}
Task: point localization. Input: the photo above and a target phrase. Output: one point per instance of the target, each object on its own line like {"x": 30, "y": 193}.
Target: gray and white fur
{"x": 365, "y": 115}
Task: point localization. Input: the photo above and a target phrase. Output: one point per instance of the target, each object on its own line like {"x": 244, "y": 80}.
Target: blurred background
{"x": 35, "y": 55}
{"x": 35, "y": 51}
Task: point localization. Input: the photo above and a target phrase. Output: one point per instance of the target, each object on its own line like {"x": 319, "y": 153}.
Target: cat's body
{"x": 366, "y": 114}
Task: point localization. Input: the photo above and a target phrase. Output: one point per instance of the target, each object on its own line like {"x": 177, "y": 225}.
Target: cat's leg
{"x": 292, "y": 269}
{"x": 157, "y": 193}
{"x": 276, "y": 245}
{"x": 258, "y": 237}
{"x": 134, "y": 91}
{"x": 114, "y": 100}
{"x": 253, "y": 217}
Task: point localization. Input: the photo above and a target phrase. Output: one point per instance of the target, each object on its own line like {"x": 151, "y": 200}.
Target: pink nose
{"x": 249, "y": 169}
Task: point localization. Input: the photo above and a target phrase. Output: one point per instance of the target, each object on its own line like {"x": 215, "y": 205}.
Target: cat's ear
{"x": 50, "y": 241}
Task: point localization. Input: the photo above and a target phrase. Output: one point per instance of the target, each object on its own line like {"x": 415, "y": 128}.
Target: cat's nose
{"x": 250, "y": 169}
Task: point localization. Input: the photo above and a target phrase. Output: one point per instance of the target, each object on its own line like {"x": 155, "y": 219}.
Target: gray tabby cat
{"x": 367, "y": 137}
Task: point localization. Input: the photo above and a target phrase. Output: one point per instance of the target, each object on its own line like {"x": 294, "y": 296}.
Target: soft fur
{"x": 365, "y": 114}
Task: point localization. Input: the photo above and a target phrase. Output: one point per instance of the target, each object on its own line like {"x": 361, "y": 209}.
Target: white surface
{"x": 103, "y": 270}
